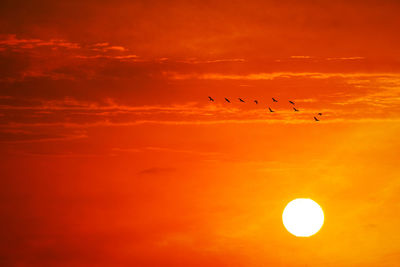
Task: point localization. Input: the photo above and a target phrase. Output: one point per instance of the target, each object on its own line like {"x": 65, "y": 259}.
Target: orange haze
{"x": 111, "y": 153}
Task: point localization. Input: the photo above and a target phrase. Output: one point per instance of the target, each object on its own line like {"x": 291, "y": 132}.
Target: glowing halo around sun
{"x": 303, "y": 217}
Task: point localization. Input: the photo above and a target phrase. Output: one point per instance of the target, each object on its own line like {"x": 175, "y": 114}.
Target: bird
{"x": 273, "y": 99}
{"x": 315, "y": 118}
{"x": 227, "y": 100}
{"x": 295, "y": 109}
{"x": 320, "y": 114}
{"x": 211, "y": 99}
{"x": 291, "y": 102}
{"x": 270, "y": 110}
{"x": 241, "y": 100}
{"x": 255, "y": 101}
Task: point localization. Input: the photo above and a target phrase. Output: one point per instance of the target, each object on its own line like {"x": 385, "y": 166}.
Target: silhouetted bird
{"x": 273, "y": 99}
{"x": 255, "y": 101}
{"x": 320, "y": 114}
{"x": 270, "y": 110}
{"x": 211, "y": 99}
{"x": 315, "y": 118}
{"x": 295, "y": 109}
{"x": 291, "y": 102}
{"x": 241, "y": 100}
{"x": 227, "y": 100}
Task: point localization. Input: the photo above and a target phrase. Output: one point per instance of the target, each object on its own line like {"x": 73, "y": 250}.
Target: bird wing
{"x": 316, "y": 119}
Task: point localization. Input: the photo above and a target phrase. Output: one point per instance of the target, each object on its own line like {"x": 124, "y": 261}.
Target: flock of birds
{"x": 316, "y": 118}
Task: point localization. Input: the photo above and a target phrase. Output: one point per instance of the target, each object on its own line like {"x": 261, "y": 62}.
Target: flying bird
{"x": 270, "y": 110}
{"x": 227, "y": 100}
{"x": 295, "y": 109}
{"x": 211, "y": 99}
{"x": 320, "y": 114}
{"x": 315, "y": 118}
{"x": 255, "y": 101}
{"x": 241, "y": 100}
{"x": 273, "y": 99}
{"x": 291, "y": 102}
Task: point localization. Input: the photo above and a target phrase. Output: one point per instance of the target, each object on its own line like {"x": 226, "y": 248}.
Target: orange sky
{"x": 112, "y": 155}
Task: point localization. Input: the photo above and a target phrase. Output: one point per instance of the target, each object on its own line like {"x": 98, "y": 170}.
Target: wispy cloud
{"x": 11, "y": 41}
{"x": 71, "y": 113}
{"x": 300, "y": 57}
{"x": 58, "y": 59}
{"x": 197, "y": 61}
{"x": 345, "y": 58}
{"x": 107, "y": 47}
{"x": 382, "y": 98}
{"x": 275, "y": 75}
{"x": 23, "y": 136}
{"x": 117, "y": 57}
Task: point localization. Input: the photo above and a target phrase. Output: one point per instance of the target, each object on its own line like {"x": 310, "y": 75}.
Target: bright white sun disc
{"x": 303, "y": 217}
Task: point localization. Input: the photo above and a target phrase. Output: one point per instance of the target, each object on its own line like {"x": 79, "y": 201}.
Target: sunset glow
{"x": 174, "y": 133}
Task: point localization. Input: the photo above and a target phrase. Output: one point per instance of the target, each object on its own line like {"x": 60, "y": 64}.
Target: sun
{"x": 303, "y": 217}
